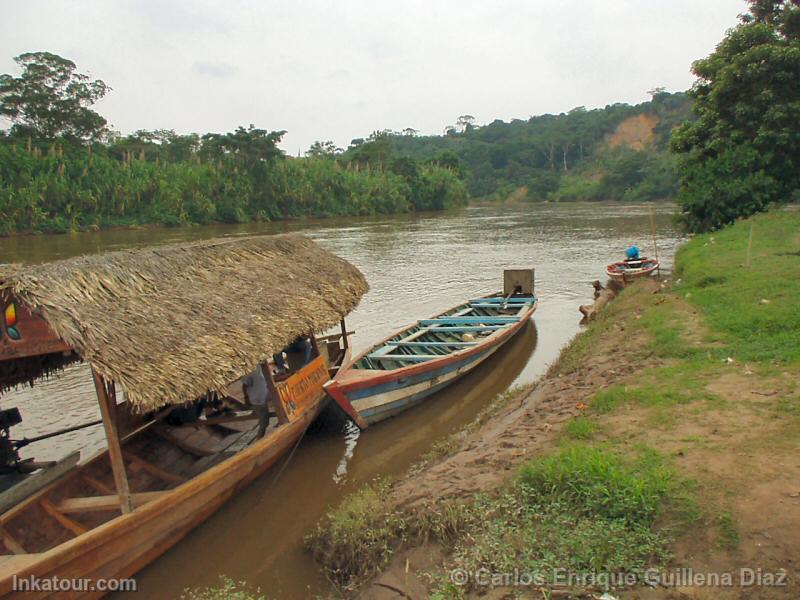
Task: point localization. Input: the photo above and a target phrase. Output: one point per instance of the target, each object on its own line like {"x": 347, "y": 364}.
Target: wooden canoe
{"x": 623, "y": 271}
{"x": 178, "y": 476}
{"x": 425, "y": 357}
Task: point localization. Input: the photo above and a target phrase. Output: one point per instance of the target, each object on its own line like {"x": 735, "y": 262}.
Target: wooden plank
{"x": 382, "y": 351}
{"x": 167, "y": 434}
{"x": 153, "y": 470}
{"x": 498, "y": 305}
{"x": 334, "y": 337}
{"x": 423, "y": 331}
{"x": 469, "y": 320}
{"x": 99, "y": 503}
{"x": 230, "y": 418}
{"x": 65, "y": 521}
{"x": 232, "y": 445}
{"x": 408, "y": 357}
{"x": 37, "y": 481}
{"x": 433, "y": 344}
{"x": 10, "y": 542}
{"x": 98, "y": 485}
{"x": 107, "y": 412}
{"x": 471, "y": 328}
{"x": 243, "y": 442}
{"x": 502, "y": 300}
{"x": 345, "y": 337}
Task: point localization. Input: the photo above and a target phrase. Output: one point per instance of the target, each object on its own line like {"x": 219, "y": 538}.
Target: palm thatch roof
{"x": 170, "y": 323}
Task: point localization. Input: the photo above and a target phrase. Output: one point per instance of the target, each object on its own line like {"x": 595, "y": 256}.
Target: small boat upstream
{"x": 431, "y": 354}
{"x": 633, "y": 267}
{"x": 624, "y": 271}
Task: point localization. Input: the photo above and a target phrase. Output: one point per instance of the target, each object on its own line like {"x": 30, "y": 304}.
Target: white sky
{"x": 340, "y": 69}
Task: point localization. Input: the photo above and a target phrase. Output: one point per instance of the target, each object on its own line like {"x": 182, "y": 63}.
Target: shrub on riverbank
{"x": 228, "y": 589}
{"x": 67, "y": 188}
{"x": 582, "y": 509}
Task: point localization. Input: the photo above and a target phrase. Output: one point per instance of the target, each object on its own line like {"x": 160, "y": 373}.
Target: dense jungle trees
{"x": 62, "y": 169}
{"x": 740, "y": 155}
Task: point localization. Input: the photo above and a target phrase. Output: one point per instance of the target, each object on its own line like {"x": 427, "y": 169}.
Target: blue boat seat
{"x": 502, "y": 300}
{"x": 406, "y": 357}
{"x": 469, "y": 320}
{"x": 465, "y": 329}
{"x": 432, "y": 344}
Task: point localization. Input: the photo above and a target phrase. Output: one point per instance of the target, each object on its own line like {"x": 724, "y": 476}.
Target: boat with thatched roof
{"x": 168, "y": 333}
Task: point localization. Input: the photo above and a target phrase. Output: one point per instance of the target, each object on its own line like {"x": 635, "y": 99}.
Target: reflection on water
{"x": 417, "y": 266}
{"x": 350, "y": 434}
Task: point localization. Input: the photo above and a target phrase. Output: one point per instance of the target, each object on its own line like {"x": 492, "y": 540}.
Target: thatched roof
{"x": 170, "y": 323}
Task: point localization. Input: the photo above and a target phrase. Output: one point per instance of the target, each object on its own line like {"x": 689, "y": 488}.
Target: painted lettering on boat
{"x": 300, "y": 390}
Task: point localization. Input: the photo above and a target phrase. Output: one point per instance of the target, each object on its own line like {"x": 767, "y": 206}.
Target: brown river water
{"x": 416, "y": 265}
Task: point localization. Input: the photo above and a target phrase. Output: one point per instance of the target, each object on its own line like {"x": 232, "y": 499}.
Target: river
{"x": 416, "y": 265}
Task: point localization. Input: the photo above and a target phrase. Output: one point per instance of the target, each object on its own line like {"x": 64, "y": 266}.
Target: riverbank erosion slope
{"x": 657, "y": 459}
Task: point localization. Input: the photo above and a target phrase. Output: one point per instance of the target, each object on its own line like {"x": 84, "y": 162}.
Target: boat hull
{"x": 620, "y": 272}
{"x": 124, "y": 545}
{"x": 395, "y": 396}
{"x": 383, "y": 394}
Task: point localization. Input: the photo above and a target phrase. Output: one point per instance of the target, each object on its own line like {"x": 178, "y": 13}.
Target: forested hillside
{"x": 62, "y": 168}
{"x": 617, "y": 152}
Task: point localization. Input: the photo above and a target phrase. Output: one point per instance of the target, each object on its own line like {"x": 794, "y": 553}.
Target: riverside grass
{"x": 751, "y": 309}
{"x": 584, "y": 508}
{"x": 227, "y": 589}
{"x": 545, "y": 513}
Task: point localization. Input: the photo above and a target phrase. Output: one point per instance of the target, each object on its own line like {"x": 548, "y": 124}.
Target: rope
{"x": 291, "y": 454}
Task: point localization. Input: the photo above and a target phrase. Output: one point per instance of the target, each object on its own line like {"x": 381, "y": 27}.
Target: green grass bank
{"x": 671, "y": 451}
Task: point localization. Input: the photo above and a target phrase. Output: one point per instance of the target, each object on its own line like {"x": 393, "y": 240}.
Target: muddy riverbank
{"x": 672, "y": 422}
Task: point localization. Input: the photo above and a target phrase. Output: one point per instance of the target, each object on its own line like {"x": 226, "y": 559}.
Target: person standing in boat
{"x": 256, "y": 393}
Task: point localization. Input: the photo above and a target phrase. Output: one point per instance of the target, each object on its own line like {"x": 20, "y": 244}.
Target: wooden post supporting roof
{"x": 345, "y": 341}
{"x": 108, "y": 407}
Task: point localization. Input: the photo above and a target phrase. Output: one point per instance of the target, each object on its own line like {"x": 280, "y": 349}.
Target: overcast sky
{"x": 339, "y": 69}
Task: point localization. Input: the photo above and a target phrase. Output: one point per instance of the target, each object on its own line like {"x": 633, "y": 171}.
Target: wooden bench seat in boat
{"x": 94, "y": 503}
{"x": 37, "y": 481}
{"x": 469, "y": 320}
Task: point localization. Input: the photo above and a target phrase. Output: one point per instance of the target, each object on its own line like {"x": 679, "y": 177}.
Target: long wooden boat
{"x": 624, "y": 271}
{"x": 423, "y": 358}
{"x": 168, "y": 468}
